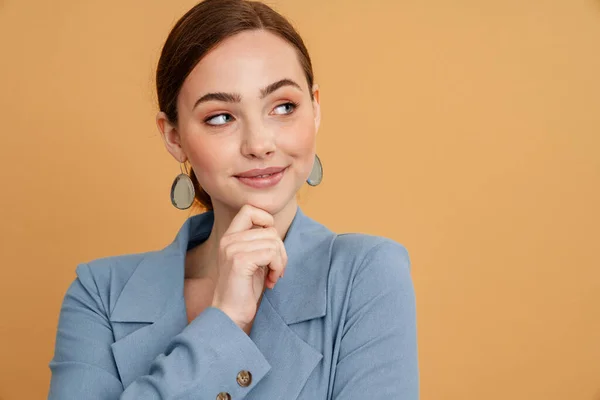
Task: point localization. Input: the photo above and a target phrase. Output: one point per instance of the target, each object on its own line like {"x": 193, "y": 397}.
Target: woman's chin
{"x": 272, "y": 200}
{"x": 271, "y": 204}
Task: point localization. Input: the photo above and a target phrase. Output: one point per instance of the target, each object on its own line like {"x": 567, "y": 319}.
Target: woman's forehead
{"x": 245, "y": 63}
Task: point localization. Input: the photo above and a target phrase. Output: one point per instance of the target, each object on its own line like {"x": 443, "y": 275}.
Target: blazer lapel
{"x": 299, "y": 296}
{"x": 140, "y": 343}
{"x": 151, "y": 310}
{"x": 302, "y": 293}
{"x": 292, "y": 360}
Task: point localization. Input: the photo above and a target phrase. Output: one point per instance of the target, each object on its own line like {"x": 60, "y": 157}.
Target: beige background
{"x": 468, "y": 130}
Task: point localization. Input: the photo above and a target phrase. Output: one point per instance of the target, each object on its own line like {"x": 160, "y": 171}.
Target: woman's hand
{"x": 251, "y": 256}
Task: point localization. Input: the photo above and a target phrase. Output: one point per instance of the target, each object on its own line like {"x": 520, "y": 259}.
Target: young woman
{"x": 253, "y": 299}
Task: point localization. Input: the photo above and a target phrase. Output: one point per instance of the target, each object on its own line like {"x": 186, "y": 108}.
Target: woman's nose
{"x": 258, "y": 142}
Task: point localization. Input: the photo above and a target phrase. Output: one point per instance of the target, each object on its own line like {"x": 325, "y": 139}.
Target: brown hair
{"x": 198, "y": 31}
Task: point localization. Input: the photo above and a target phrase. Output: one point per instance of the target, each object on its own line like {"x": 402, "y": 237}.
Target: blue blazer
{"x": 340, "y": 325}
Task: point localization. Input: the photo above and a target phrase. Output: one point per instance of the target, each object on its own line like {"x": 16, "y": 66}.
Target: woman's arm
{"x": 200, "y": 362}
{"x": 378, "y": 350}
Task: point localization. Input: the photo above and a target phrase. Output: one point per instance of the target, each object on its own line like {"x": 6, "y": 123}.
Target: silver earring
{"x": 182, "y": 190}
{"x": 316, "y": 175}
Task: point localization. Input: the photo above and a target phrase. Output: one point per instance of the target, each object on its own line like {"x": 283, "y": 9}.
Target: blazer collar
{"x": 157, "y": 281}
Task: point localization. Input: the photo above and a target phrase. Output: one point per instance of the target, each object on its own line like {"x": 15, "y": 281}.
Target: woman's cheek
{"x": 299, "y": 138}
{"x": 300, "y": 146}
{"x": 206, "y": 164}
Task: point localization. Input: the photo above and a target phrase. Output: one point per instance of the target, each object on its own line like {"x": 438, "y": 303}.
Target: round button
{"x": 223, "y": 396}
{"x": 244, "y": 378}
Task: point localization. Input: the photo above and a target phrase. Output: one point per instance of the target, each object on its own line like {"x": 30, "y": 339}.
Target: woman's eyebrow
{"x": 236, "y": 97}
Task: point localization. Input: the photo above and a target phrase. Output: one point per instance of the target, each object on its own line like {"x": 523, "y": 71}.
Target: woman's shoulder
{"x": 115, "y": 268}
{"x": 364, "y": 248}
{"x": 369, "y": 272}
{"x": 105, "y": 277}
{"x": 363, "y": 259}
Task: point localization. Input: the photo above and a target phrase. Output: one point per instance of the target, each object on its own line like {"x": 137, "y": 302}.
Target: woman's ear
{"x": 316, "y": 106}
{"x": 170, "y": 135}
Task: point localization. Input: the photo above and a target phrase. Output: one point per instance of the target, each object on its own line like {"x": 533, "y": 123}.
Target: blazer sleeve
{"x": 198, "y": 363}
{"x": 378, "y": 349}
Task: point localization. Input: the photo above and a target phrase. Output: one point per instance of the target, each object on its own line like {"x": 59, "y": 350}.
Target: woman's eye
{"x": 286, "y": 108}
{"x": 222, "y": 119}
{"x": 217, "y": 120}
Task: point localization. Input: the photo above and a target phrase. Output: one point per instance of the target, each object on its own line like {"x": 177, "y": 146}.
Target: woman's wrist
{"x": 224, "y": 310}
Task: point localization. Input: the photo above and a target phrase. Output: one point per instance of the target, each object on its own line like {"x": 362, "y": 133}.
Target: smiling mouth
{"x": 262, "y": 181}
{"x": 260, "y": 172}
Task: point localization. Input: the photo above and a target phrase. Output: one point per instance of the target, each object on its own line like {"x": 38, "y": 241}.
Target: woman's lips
{"x": 262, "y": 181}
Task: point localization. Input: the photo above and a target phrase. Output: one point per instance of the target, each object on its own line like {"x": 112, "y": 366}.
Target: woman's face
{"x": 246, "y": 105}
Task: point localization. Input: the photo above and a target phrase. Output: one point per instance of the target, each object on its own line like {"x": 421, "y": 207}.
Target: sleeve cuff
{"x": 234, "y": 355}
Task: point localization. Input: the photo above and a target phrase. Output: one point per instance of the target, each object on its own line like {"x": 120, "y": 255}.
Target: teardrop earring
{"x": 316, "y": 174}
{"x": 182, "y": 190}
